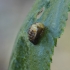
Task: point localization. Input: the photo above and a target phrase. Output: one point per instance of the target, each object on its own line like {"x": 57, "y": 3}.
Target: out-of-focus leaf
{"x": 69, "y": 5}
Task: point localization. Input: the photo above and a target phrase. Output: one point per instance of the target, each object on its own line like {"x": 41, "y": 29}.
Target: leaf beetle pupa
{"x": 35, "y": 31}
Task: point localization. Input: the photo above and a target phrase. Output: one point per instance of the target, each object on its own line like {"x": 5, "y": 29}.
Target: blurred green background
{"x": 12, "y": 15}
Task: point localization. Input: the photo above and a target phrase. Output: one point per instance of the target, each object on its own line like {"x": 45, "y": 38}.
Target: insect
{"x": 35, "y": 31}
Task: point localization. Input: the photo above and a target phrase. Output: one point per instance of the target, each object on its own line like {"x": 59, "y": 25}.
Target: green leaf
{"x": 26, "y": 55}
{"x": 69, "y": 5}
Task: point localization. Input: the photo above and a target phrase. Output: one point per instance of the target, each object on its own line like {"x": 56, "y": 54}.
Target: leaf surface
{"x": 69, "y": 5}
{"x": 26, "y": 55}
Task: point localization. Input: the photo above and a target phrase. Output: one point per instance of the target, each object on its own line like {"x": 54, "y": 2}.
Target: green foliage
{"x": 27, "y": 56}
{"x": 69, "y": 5}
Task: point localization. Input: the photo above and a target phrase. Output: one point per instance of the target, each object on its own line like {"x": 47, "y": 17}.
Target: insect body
{"x": 35, "y": 32}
